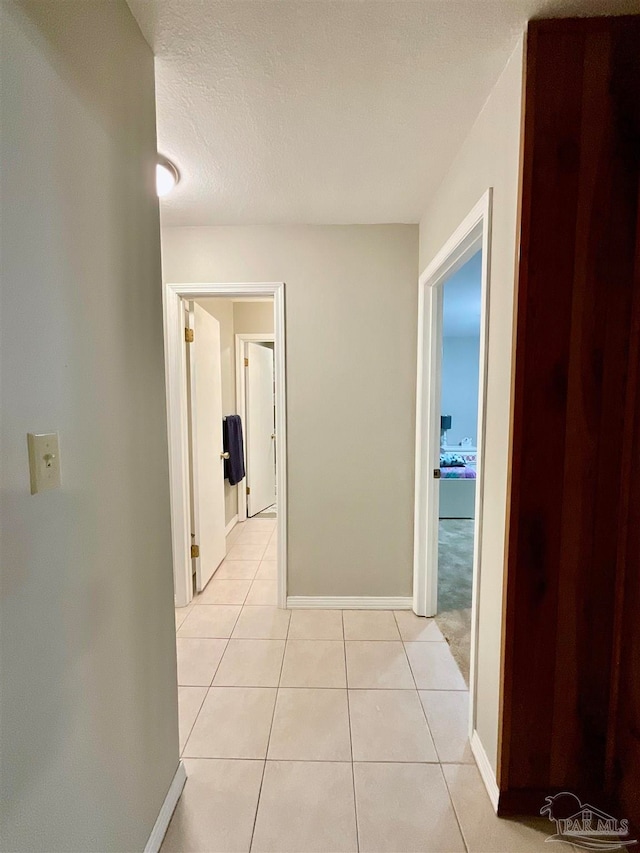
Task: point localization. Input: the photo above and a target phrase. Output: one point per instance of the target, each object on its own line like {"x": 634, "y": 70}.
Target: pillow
{"x": 451, "y": 460}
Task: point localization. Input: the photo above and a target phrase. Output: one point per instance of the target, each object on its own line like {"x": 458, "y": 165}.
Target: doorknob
{"x": 224, "y": 455}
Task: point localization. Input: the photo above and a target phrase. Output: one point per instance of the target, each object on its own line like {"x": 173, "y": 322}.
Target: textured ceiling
{"x": 322, "y": 111}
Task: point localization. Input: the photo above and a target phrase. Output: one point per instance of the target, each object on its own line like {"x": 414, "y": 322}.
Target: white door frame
{"x": 473, "y": 233}
{"x": 178, "y": 436}
{"x": 241, "y": 405}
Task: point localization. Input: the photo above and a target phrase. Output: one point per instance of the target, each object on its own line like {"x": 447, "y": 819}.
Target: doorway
{"x": 450, "y": 434}
{"x": 181, "y": 390}
{"x": 459, "y": 387}
{"x": 256, "y": 395}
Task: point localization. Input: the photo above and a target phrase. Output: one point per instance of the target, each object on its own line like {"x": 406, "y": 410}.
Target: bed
{"x": 457, "y": 487}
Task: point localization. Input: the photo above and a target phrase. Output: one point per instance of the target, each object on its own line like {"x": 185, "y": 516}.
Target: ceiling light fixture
{"x": 167, "y": 176}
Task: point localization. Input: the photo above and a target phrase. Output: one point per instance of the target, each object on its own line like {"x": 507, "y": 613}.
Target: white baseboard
{"x": 486, "y": 771}
{"x": 166, "y": 812}
{"x": 231, "y": 525}
{"x": 366, "y": 602}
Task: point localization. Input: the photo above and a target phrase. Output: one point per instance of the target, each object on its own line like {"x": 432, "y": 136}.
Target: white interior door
{"x": 207, "y": 468}
{"x": 260, "y": 429}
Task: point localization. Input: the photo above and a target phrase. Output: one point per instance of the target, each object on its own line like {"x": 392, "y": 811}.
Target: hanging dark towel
{"x": 234, "y": 446}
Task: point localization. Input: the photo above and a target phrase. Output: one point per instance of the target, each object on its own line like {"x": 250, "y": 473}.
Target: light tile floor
{"x": 322, "y": 730}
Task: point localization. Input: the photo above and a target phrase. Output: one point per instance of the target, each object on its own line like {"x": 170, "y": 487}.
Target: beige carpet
{"x": 455, "y": 577}
{"x": 456, "y": 629}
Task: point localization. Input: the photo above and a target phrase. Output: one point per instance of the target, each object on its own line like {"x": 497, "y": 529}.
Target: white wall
{"x": 489, "y": 158}
{"x": 89, "y": 735}
{"x": 460, "y": 364}
{"x": 351, "y": 314}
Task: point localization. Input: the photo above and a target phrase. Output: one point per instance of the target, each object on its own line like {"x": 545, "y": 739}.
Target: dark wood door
{"x": 572, "y": 647}
{"x": 623, "y": 753}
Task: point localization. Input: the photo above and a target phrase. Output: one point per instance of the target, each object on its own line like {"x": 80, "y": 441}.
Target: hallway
{"x": 360, "y": 715}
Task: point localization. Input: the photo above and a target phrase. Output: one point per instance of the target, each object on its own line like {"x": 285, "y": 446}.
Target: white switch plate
{"x": 44, "y": 461}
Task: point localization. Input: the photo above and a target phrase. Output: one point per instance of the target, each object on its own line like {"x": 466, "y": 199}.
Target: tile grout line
{"x": 226, "y": 646}
{"x": 182, "y": 621}
{"x": 207, "y": 688}
{"x": 435, "y": 748}
{"x": 424, "y": 712}
{"x": 186, "y": 740}
{"x": 352, "y": 762}
{"x": 353, "y": 770}
{"x": 266, "y": 754}
{"x": 228, "y": 639}
{"x": 455, "y": 811}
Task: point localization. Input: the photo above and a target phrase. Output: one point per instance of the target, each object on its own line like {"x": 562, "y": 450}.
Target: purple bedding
{"x": 457, "y": 473}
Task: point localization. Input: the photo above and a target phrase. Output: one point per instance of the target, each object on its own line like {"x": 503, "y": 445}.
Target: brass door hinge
{"x": 188, "y": 335}
{"x": 246, "y": 362}
{"x": 248, "y": 490}
{"x": 195, "y": 551}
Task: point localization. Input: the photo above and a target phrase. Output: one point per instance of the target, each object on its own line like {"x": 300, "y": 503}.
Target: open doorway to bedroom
{"x": 459, "y": 391}
{"x": 450, "y": 426}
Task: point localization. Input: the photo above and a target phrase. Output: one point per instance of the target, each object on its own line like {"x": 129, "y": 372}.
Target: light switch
{"x": 44, "y": 461}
